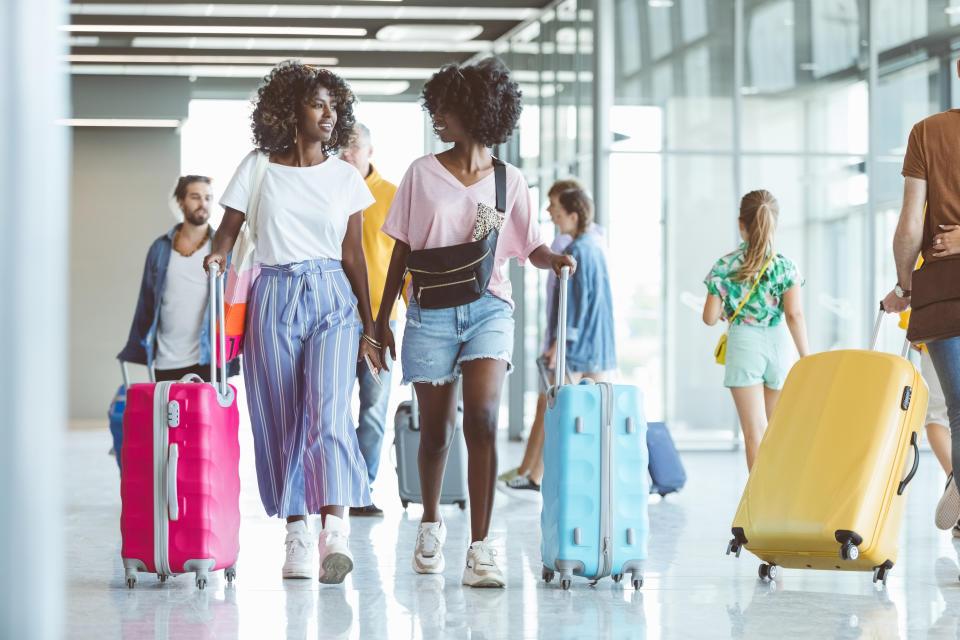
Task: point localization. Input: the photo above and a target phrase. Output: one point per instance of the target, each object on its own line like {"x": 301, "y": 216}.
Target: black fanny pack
{"x": 446, "y": 277}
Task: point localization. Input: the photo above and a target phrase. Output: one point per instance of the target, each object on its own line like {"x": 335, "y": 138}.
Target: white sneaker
{"x": 299, "y": 551}
{"x": 428, "y": 554}
{"x": 481, "y": 570}
{"x": 948, "y": 509}
{"x": 336, "y": 560}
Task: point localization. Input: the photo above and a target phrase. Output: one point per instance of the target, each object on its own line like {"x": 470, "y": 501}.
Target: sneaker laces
{"x": 428, "y": 539}
{"x": 483, "y": 553}
{"x": 295, "y": 546}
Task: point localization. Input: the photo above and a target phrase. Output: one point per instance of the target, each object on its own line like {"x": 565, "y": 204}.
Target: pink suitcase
{"x": 180, "y": 486}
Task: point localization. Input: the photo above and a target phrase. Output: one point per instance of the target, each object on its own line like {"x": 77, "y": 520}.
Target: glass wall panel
{"x": 676, "y": 171}
{"x": 635, "y": 259}
{"x": 834, "y": 35}
{"x": 904, "y": 98}
{"x": 900, "y": 21}
{"x": 700, "y": 226}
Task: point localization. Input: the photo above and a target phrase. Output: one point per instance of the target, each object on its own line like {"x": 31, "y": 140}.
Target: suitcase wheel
{"x": 565, "y": 583}
{"x": 547, "y": 575}
{"x": 201, "y": 582}
{"x": 734, "y": 547}
{"x": 405, "y": 503}
{"x": 768, "y": 571}
{"x": 637, "y": 583}
{"x": 462, "y": 504}
{"x": 131, "y": 577}
{"x": 230, "y": 573}
{"x": 881, "y": 572}
{"x": 617, "y": 577}
{"x": 849, "y": 551}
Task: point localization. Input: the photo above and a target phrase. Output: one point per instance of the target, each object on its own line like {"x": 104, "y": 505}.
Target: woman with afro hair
{"x": 439, "y": 204}
{"x": 308, "y": 316}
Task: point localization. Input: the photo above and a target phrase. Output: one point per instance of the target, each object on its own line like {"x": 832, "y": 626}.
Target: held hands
{"x": 560, "y": 260}
{"x": 385, "y": 336}
{"x": 367, "y": 349}
{"x": 219, "y": 258}
{"x": 947, "y": 242}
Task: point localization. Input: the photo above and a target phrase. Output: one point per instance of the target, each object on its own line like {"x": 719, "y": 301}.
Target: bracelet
{"x": 372, "y": 342}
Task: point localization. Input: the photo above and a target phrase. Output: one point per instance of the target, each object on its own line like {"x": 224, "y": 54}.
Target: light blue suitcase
{"x": 595, "y": 488}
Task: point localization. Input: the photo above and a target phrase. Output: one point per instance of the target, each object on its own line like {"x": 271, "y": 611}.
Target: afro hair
{"x": 284, "y": 89}
{"x": 482, "y": 96}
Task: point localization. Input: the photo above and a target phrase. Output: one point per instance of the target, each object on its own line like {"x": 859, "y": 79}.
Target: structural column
{"x": 34, "y": 153}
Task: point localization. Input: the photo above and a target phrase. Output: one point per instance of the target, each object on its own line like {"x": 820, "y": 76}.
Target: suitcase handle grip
{"x": 173, "y": 504}
{"x": 916, "y": 463}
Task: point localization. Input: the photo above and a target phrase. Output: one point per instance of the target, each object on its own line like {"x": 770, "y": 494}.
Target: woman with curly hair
{"x": 306, "y": 310}
{"x": 440, "y": 203}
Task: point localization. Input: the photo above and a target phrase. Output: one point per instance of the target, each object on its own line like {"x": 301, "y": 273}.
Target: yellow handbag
{"x": 720, "y": 353}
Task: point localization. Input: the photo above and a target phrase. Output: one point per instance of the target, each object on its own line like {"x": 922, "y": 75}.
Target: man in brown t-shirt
{"x": 931, "y": 169}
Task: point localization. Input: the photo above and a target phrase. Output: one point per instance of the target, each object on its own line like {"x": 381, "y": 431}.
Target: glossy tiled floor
{"x": 692, "y": 589}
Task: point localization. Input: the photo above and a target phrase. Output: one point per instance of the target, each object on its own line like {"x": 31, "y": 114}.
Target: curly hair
{"x": 482, "y": 96}
{"x": 285, "y": 88}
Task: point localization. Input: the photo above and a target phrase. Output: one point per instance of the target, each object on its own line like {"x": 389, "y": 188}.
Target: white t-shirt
{"x": 183, "y": 304}
{"x": 303, "y": 210}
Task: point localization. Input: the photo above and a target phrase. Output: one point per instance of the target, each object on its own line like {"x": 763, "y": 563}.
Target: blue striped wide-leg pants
{"x": 299, "y": 365}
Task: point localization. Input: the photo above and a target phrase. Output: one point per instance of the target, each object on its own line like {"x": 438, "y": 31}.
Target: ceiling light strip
{"x": 214, "y": 30}
{"x": 242, "y": 71}
{"x": 150, "y": 59}
{"x": 301, "y": 44}
{"x": 120, "y": 122}
{"x": 343, "y": 12}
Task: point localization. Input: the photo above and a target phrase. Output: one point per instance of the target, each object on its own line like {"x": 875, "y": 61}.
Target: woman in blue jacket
{"x": 591, "y": 350}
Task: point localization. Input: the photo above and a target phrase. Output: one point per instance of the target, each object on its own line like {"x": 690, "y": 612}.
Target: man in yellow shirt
{"x": 377, "y": 247}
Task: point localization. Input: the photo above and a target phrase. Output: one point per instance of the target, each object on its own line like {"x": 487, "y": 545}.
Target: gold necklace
{"x": 203, "y": 242}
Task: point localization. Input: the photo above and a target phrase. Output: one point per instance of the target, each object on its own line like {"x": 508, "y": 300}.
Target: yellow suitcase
{"x": 829, "y": 484}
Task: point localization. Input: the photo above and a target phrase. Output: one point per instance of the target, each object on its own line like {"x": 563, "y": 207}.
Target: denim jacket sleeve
{"x": 577, "y": 302}
{"x": 135, "y": 350}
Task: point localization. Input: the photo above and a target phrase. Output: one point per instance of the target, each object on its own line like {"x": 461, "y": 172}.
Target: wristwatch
{"x": 901, "y": 292}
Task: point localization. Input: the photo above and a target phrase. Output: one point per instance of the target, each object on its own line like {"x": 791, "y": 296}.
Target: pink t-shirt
{"x": 434, "y": 209}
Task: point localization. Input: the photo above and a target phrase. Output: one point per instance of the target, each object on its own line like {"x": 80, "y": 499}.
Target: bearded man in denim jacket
{"x": 170, "y": 332}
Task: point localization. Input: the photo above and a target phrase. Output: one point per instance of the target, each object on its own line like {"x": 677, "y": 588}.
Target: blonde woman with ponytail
{"x": 756, "y": 288}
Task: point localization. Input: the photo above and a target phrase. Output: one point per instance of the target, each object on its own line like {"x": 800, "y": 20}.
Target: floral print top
{"x": 765, "y": 306}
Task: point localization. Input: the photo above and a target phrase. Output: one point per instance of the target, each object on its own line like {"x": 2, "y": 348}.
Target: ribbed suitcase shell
{"x": 573, "y": 474}
{"x": 406, "y": 442}
{"x": 208, "y": 479}
{"x": 835, "y": 452}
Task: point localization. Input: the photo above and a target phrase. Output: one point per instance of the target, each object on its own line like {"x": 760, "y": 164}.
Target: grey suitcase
{"x": 406, "y": 442}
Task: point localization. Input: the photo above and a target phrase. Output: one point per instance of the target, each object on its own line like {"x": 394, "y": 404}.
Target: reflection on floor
{"x": 692, "y": 589}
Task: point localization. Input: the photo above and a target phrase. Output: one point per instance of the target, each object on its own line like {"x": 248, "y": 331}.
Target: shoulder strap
{"x": 755, "y": 283}
{"x": 500, "y": 176}
{"x": 259, "y": 171}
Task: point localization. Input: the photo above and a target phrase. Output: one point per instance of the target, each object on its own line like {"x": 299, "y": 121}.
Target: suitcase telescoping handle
{"x": 217, "y": 313}
{"x": 126, "y": 374}
{"x": 561, "y": 334}
{"x": 876, "y": 334}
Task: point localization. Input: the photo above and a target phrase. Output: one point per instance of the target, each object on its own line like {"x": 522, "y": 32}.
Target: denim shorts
{"x": 758, "y": 355}
{"x": 436, "y": 342}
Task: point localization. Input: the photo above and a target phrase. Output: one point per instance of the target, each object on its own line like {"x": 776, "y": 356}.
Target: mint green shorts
{"x": 758, "y": 355}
